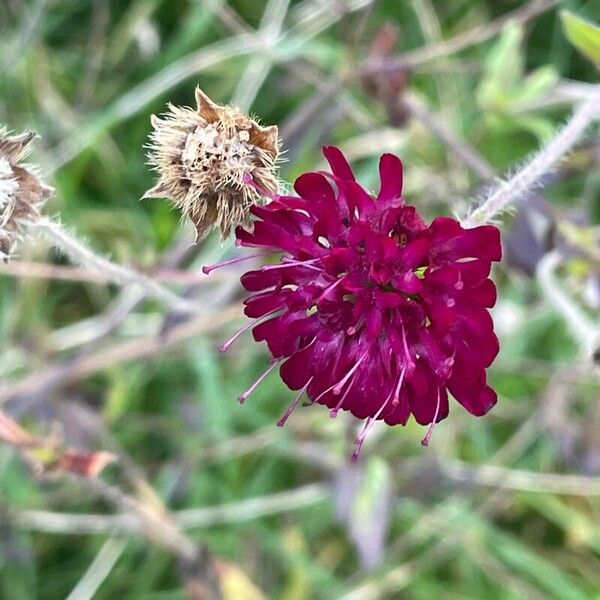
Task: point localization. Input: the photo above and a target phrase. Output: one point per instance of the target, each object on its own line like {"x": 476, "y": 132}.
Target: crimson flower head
{"x": 370, "y": 309}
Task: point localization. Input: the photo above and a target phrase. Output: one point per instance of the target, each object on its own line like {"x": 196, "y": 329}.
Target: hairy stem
{"x": 521, "y": 183}
{"x": 121, "y": 275}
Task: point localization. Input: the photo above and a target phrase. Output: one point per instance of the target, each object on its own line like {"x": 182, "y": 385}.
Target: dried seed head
{"x": 203, "y": 158}
{"x": 21, "y": 192}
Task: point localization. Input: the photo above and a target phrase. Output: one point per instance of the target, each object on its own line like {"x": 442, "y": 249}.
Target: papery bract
{"x": 202, "y": 157}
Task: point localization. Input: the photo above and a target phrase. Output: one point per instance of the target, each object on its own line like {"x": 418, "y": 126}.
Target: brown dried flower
{"x": 203, "y": 158}
{"x": 21, "y": 192}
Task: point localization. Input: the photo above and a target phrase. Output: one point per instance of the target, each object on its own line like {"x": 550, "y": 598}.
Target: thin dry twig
{"x": 123, "y": 524}
{"x": 38, "y": 270}
{"x": 515, "y": 479}
{"x": 89, "y": 331}
{"x": 471, "y": 158}
{"x": 155, "y": 522}
{"x": 68, "y": 372}
{"x": 473, "y": 37}
{"x": 157, "y": 526}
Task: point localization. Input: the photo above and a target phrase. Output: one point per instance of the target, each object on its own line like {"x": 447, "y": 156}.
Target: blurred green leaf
{"x": 216, "y": 403}
{"x": 503, "y": 69}
{"x": 504, "y": 86}
{"x": 583, "y": 34}
{"x": 524, "y": 561}
{"x": 535, "y": 84}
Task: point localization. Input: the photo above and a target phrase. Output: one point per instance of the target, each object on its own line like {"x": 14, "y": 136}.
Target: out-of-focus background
{"x": 504, "y": 506}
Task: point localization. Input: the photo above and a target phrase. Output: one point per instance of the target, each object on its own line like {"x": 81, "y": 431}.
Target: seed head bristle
{"x": 203, "y": 158}
{"x": 21, "y": 192}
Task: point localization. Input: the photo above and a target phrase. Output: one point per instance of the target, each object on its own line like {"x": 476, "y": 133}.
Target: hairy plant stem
{"x": 120, "y": 275}
{"x": 521, "y": 183}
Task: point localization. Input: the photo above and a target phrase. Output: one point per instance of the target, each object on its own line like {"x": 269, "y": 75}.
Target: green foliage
{"x": 585, "y": 36}
{"x": 505, "y": 88}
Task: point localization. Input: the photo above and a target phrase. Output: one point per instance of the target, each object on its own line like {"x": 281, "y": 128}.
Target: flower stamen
{"x": 293, "y": 263}
{"x": 425, "y": 440}
{"x": 337, "y": 388}
{"x": 224, "y": 347}
{"x": 263, "y": 191}
{"x": 209, "y": 268}
{"x": 328, "y": 289}
{"x": 396, "y": 399}
{"x": 245, "y": 395}
{"x": 334, "y": 411}
{"x": 410, "y": 365}
{"x": 372, "y": 420}
{"x": 292, "y": 406}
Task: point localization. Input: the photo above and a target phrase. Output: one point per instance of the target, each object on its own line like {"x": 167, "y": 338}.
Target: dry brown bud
{"x": 203, "y": 159}
{"x": 21, "y": 192}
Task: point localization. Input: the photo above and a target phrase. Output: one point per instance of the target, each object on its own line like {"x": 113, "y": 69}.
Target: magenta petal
{"x": 255, "y": 281}
{"x": 430, "y": 349}
{"x": 476, "y": 318}
{"x": 386, "y": 300}
{"x": 474, "y": 272}
{"x": 338, "y": 260}
{"x": 465, "y": 369}
{"x": 374, "y": 319}
{"x": 262, "y": 304}
{"x": 367, "y": 393}
{"x": 415, "y": 253}
{"x": 445, "y": 228}
{"x": 417, "y": 381}
{"x": 408, "y": 282}
{"x": 410, "y": 220}
{"x": 246, "y": 238}
{"x": 485, "y": 347}
{"x": 356, "y": 198}
{"x": 458, "y": 276}
{"x": 476, "y": 331}
{"x": 399, "y": 414}
{"x": 390, "y": 174}
{"x": 266, "y": 329}
{"x": 425, "y": 407}
{"x": 477, "y": 398}
{"x": 482, "y": 242}
{"x": 454, "y": 243}
{"x": 295, "y": 370}
{"x": 338, "y": 163}
{"x": 484, "y": 293}
{"x": 314, "y": 187}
